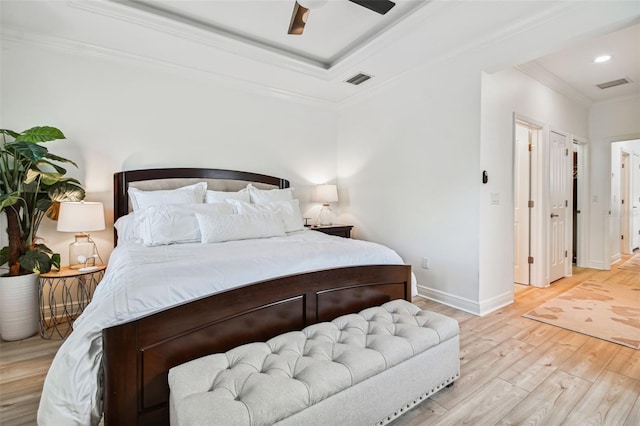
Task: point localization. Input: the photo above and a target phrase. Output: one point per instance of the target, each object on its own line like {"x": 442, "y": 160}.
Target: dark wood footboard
{"x": 138, "y": 354}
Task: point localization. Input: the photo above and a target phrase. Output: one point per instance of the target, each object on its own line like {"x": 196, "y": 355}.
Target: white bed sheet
{"x": 142, "y": 280}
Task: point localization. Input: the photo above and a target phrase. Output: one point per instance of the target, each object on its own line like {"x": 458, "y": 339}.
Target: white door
{"x": 521, "y": 197}
{"x": 558, "y": 203}
{"x": 634, "y": 203}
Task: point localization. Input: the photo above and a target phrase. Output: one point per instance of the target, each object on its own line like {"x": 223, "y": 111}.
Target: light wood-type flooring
{"x": 514, "y": 371}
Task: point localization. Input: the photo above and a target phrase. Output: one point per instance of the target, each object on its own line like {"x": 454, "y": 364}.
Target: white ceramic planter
{"x": 19, "y": 311}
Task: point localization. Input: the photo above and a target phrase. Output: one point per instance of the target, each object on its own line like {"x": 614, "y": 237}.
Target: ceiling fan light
{"x": 312, "y": 4}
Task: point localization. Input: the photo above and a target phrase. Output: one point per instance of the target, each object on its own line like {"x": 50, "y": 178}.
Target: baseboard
{"x": 74, "y": 310}
{"x": 598, "y": 264}
{"x": 449, "y": 299}
{"x": 495, "y": 303}
{"x": 476, "y": 308}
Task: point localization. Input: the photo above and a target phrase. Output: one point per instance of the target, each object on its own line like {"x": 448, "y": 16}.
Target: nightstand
{"x": 62, "y": 296}
{"x": 335, "y": 229}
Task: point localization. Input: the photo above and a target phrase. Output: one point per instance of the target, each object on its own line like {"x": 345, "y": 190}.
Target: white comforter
{"x": 142, "y": 280}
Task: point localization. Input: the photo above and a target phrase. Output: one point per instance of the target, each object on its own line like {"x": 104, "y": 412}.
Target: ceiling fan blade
{"x": 298, "y": 19}
{"x": 379, "y": 6}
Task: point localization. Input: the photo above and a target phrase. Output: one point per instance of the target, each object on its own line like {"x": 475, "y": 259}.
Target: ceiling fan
{"x": 301, "y": 11}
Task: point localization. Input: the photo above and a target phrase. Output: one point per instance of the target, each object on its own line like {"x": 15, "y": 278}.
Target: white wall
{"x": 408, "y": 159}
{"x": 503, "y": 94}
{"x": 608, "y": 122}
{"x": 121, "y": 116}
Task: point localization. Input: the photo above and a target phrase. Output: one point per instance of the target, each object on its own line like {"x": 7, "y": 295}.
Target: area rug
{"x": 633, "y": 263}
{"x": 607, "y": 311}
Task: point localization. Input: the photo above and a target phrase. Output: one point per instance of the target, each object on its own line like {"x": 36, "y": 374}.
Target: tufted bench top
{"x": 262, "y": 383}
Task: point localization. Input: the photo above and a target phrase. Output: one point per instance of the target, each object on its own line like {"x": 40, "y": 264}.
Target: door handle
{"x": 553, "y": 215}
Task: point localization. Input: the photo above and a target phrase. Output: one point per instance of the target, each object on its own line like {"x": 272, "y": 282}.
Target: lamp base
{"x": 82, "y": 251}
{"x": 326, "y": 215}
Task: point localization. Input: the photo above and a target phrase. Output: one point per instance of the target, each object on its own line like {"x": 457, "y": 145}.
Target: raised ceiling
{"x": 333, "y": 31}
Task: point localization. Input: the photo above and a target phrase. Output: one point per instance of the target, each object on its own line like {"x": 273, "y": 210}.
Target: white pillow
{"x": 127, "y": 228}
{"x": 177, "y": 223}
{"x": 261, "y": 196}
{"x": 290, "y": 211}
{"x": 240, "y": 226}
{"x": 222, "y": 196}
{"x": 190, "y": 194}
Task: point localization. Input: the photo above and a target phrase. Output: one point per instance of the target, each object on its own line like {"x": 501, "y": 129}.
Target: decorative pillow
{"x": 177, "y": 223}
{"x": 190, "y": 194}
{"x": 240, "y": 226}
{"x": 290, "y": 211}
{"x": 261, "y": 196}
{"x": 222, "y": 196}
{"x": 127, "y": 228}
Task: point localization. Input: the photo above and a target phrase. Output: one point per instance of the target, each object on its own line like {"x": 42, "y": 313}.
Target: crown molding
{"x": 89, "y": 50}
{"x": 202, "y": 34}
{"x": 545, "y": 77}
{"x": 631, "y": 97}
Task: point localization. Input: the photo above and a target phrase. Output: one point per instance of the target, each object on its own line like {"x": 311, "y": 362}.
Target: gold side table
{"x": 62, "y": 296}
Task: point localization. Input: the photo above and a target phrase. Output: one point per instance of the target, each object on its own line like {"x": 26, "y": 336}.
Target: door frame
{"x": 623, "y": 203}
{"x": 522, "y": 196}
{"x": 581, "y": 146}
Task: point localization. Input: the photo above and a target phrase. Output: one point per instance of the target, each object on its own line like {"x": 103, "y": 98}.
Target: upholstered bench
{"x": 360, "y": 369}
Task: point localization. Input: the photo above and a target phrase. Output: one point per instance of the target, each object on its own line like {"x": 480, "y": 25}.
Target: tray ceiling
{"x": 333, "y": 31}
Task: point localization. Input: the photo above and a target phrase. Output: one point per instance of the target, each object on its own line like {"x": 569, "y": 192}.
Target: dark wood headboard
{"x": 121, "y": 181}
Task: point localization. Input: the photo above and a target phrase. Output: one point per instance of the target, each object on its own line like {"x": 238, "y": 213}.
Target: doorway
{"x": 624, "y": 218}
{"x": 580, "y": 197}
{"x": 543, "y": 220}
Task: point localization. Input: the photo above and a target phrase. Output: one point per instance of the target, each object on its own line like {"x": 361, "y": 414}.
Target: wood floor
{"x": 514, "y": 371}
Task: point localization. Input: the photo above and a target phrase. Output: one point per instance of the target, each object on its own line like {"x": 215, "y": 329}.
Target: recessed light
{"x": 601, "y": 59}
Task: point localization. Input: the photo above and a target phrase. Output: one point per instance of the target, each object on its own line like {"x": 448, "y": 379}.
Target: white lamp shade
{"x": 326, "y": 193}
{"x": 81, "y": 216}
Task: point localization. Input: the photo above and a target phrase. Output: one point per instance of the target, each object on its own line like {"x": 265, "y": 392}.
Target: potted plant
{"x": 32, "y": 184}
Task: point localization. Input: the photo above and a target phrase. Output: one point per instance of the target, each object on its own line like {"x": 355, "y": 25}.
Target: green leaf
{"x": 43, "y": 204}
{"x": 7, "y": 200}
{"x": 66, "y": 190}
{"x": 27, "y": 150}
{"x": 55, "y": 260}
{"x": 4, "y": 255}
{"x": 40, "y": 134}
{"x": 42, "y": 249}
{"x": 36, "y": 261}
{"x": 59, "y": 159}
{"x": 9, "y": 132}
{"x": 57, "y": 168}
{"x": 47, "y": 179}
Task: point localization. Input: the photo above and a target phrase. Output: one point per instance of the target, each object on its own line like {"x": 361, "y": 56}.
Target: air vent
{"x": 613, "y": 83}
{"x": 358, "y": 79}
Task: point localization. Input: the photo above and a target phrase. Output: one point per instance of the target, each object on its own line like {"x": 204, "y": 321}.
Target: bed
{"x": 149, "y": 315}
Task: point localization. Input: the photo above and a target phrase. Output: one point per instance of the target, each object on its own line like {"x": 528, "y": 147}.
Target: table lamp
{"x": 326, "y": 194}
{"x": 81, "y": 217}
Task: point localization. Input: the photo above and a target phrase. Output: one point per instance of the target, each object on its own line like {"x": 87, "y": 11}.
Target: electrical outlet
{"x": 425, "y": 263}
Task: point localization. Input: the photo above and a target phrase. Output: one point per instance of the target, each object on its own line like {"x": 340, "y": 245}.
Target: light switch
{"x": 495, "y": 198}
